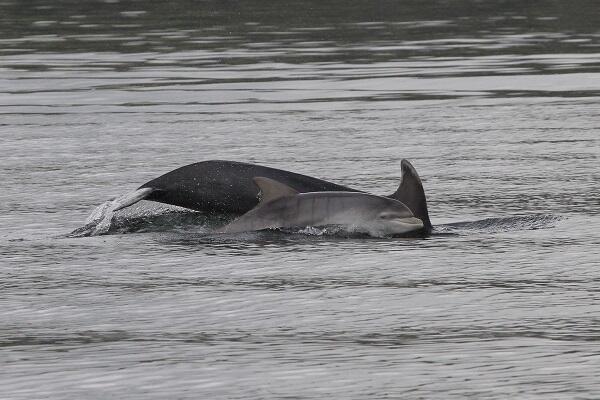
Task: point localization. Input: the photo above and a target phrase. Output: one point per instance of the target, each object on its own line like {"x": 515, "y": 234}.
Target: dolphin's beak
{"x": 413, "y": 221}
{"x": 408, "y": 227}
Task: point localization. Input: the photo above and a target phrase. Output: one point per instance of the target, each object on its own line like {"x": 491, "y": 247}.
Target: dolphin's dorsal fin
{"x": 412, "y": 194}
{"x": 271, "y": 189}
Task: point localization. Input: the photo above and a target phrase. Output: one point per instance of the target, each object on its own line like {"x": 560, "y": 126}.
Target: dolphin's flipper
{"x": 411, "y": 193}
{"x": 131, "y": 198}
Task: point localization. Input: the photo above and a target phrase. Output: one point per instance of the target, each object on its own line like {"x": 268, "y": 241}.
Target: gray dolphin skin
{"x": 283, "y": 207}
{"x": 219, "y": 186}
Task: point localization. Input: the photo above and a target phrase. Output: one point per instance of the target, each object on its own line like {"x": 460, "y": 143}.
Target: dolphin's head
{"x": 394, "y": 218}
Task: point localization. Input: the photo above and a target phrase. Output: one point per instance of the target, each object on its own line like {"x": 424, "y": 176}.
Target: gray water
{"x": 495, "y": 103}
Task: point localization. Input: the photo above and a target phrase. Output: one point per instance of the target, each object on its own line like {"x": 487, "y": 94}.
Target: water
{"x": 495, "y": 103}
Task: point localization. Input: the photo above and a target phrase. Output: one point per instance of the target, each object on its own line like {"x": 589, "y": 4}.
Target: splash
{"x": 110, "y": 217}
{"x": 99, "y": 220}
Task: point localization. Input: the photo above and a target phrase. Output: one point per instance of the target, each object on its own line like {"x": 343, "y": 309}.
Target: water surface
{"x": 495, "y": 103}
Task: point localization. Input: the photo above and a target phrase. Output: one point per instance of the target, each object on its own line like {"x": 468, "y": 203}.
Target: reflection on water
{"x": 302, "y": 31}
{"x": 494, "y": 102}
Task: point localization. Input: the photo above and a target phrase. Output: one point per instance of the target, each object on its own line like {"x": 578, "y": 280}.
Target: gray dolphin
{"x": 219, "y": 186}
{"x": 281, "y": 206}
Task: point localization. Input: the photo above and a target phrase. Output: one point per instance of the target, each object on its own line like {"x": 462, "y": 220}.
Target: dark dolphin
{"x": 219, "y": 186}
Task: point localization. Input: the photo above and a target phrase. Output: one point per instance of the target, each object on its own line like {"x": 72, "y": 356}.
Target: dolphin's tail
{"x": 131, "y": 198}
{"x": 411, "y": 193}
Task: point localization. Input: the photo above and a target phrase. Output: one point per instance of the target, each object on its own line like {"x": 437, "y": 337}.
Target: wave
{"x": 104, "y": 220}
{"x": 500, "y": 224}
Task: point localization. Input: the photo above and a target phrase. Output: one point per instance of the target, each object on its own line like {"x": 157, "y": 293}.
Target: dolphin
{"x": 281, "y": 206}
{"x": 219, "y": 186}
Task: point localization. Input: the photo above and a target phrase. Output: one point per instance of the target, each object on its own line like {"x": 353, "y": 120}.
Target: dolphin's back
{"x": 226, "y": 186}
